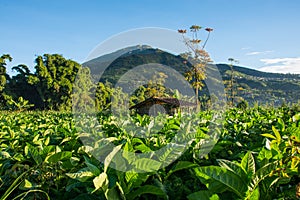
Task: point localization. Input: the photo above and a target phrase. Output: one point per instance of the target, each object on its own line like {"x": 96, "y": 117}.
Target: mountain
{"x": 98, "y": 64}
{"x": 250, "y": 84}
{"x": 111, "y": 67}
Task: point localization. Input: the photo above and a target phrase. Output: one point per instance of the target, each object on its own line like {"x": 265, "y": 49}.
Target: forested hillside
{"x": 51, "y": 83}
{"x": 251, "y": 85}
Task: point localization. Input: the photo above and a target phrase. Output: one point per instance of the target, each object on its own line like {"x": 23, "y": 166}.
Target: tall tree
{"x": 18, "y": 86}
{"x": 3, "y": 76}
{"x": 155, "y": 87}
{"x": 83, "y": 91}
{"x": 231, "y": 84}
{"x": 108, "y": 97}
{"x": 53, "y": 79}
{"x": 198, "y": 57}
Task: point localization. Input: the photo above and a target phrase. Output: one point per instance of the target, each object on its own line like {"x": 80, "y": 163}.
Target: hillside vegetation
{"x": 252, "y": 85}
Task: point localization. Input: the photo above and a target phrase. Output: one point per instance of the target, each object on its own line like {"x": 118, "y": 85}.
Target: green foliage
{"x": 31, "y": 144}
{"x": 19, "y": 105}
{"x": 156, "y": 87}
{"x": 50, "y": 85}
{"x": 83, "y": 90}
{"x": 241, "y": 178}
{"x": 53, "y": 79}
{"x": 257, "y": 156}
{"x": 20, "y": 86}
{"x": 3, "y": 76}
{"x": 283, "y": 146}
{"x": 107, "y": 98}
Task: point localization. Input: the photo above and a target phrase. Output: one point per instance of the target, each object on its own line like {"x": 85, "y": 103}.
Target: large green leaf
{"x": 253, "y": 195}
{"x": 128, "y": 152}
{"x": 120, "y": 163}
{"x": 233, "y": 167}
{"x": 134, "y": 179}
{"x": 181, "y": 165}
{"x": 277, "y": 134}
{"x": 100, "y": 181}
{"x": 83, "y": 175}
{"x": 143, "y": 148}
{"x": 224, "y": 176}
{"x": 170, "y": 153}
{"x": 112, "y": 194}
{"x": 264, "y": 154}
{"x": 260, "y": 175}
{"x": 204, "y": 146}
{"x": 146, "y": 189}
{"x": 281, "y": 124}
{"x": 34, "y": 152}
{"x": 95, "y": 170}
{"x": 215, "y": 186}
{"x": 63, "y": 155}
{"x": 26, "y": 185}
{"x": 146, "y": 165}
{"x": 47, "y": 150}
{"x": 110, "y": 157}
{"x": 268, "y": 135}
{"x": 248, "y": 163}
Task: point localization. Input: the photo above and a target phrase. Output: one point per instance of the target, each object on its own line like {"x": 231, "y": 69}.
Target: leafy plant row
{"x": 45, "y": 156}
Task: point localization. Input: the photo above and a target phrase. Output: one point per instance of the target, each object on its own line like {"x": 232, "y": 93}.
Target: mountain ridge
{"x": 257, "y": 86}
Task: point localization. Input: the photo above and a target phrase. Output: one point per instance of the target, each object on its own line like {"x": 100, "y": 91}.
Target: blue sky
{"x": 261, "y": 34}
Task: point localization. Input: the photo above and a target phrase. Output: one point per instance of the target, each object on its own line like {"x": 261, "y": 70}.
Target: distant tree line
{"x": 51, "y": 86}
{"x": 52, "y": 83}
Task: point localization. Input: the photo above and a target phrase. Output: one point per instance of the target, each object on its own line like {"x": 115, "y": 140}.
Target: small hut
{"x": 155, "y": 105}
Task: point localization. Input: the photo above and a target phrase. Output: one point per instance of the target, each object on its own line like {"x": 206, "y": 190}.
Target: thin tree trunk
{"x": 197, "y": 99}
{"x": 232, "y": 89}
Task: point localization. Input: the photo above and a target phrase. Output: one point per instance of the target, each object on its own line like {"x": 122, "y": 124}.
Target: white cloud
{"x": 245, "y": 48}
{"x": 253, "y": 53}
{"x": 258, "y": 53}
{"x": 281, "y": 65}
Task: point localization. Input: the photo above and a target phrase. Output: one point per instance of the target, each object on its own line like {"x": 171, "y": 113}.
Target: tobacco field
{"x": 256, "y": 156}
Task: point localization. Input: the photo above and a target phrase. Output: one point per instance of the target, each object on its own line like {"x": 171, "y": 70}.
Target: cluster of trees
{"x": 51, "y": 86}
